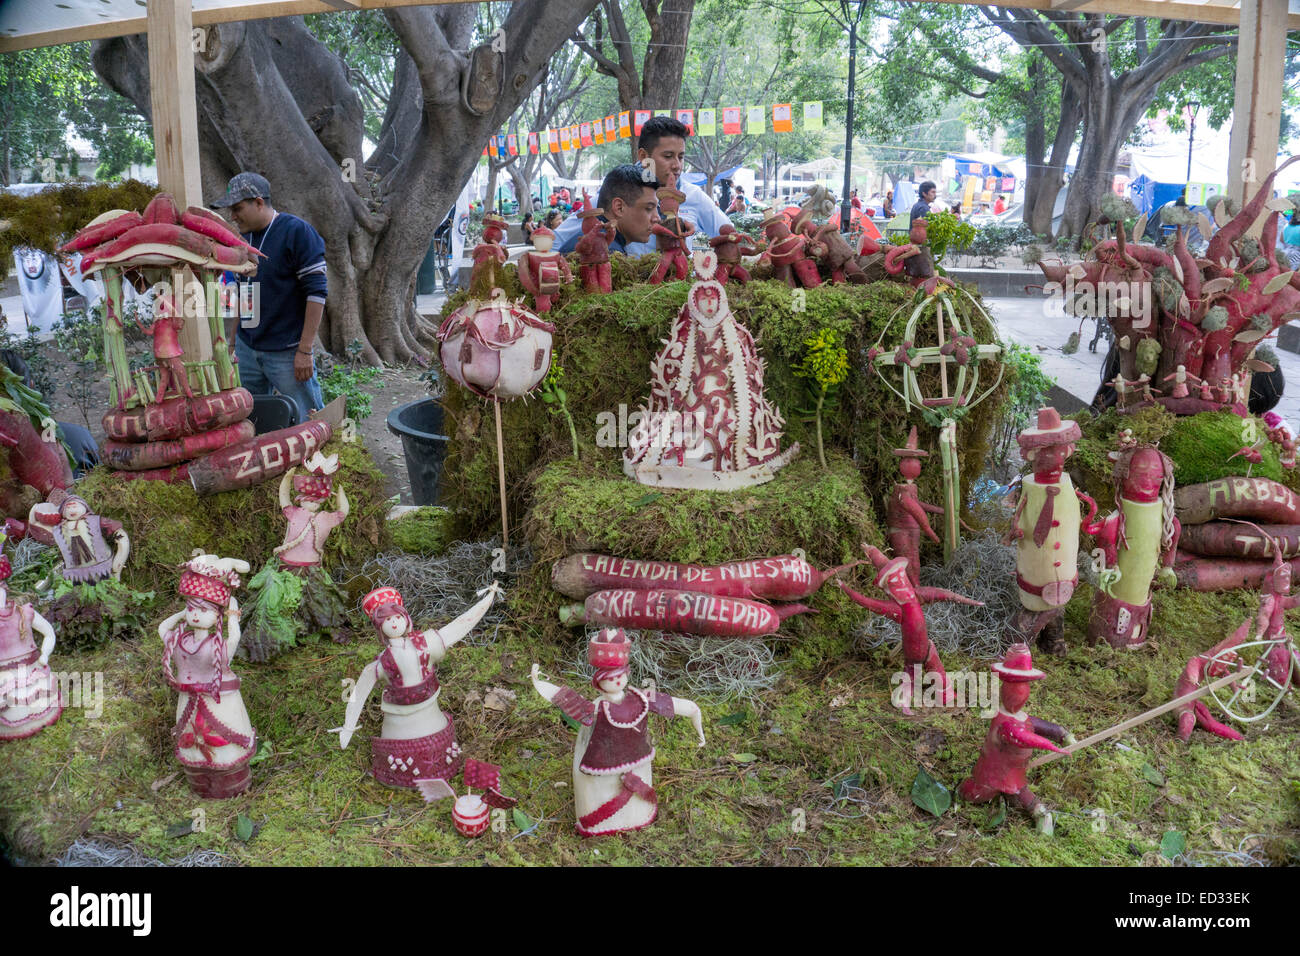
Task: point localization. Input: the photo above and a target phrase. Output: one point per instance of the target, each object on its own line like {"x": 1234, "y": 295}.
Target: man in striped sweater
{"x": 281, "y": 305}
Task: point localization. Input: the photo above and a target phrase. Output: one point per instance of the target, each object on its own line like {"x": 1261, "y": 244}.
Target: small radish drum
{"x": 497, "y": 349}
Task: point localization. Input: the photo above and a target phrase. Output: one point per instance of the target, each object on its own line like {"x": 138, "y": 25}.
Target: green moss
{"x": 167, "y": 522}
{"x": 48, "y": 219}
{"x": 426, "y": 531}
{"x": 606, "y": 344}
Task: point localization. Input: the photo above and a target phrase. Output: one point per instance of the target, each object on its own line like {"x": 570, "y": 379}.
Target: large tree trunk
{"x": 1111, "y": 112}
{"x": 1044, "y": 182}
{"x": 270, "y": 100}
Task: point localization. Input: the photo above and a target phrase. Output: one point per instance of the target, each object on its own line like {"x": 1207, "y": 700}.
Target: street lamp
{"x": 1193, "y": 107}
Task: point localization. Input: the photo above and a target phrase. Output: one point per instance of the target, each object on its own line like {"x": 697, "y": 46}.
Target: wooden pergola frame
{"x": 169, "y": 24}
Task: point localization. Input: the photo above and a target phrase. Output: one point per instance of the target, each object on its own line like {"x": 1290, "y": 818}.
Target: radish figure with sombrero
{"x": 674, "y": 233}
{"x": 1012, "y": 738}
{"x": 593, "y": 247}
{"x": 905, "y": 513}
{"x": 1046, "y": 531}
{"x": 921, "y": 662}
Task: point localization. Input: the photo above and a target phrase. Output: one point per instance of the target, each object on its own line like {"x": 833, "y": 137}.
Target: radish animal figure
{"x": 921, "y": 664}
{"x": 1012, "y": 738}
{"x": 613, "y": 758}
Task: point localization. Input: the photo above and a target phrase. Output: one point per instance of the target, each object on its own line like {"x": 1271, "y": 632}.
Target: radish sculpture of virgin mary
{"x": 707, "y": 424}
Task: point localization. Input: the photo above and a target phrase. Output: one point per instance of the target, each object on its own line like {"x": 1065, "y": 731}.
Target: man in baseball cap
{"x": 281, "y": 305}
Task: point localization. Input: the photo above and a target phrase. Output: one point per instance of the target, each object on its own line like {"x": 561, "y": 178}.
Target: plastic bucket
{"x": 418, "y": 424}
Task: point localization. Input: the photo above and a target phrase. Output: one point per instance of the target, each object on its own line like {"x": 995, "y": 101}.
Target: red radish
{"x": 42, "y": 465}
{"x": 177, "y": 417}
{"x": 165, "y": 233}
{"x": 266, "y": 456}
{"x": 1260, "y": 499}
{"x": 1197, "y": 714}
{"x": 783, "y": 578}
{"x": 107, "y": 231}
{"x": 1232, "y": 539}
{"x": 681, "y": 612}
{"x": 133, "y": 456}
{"x": 1225, "y": 574}
{"x": 214, "y": 227}
{"x": 162, "y": 209}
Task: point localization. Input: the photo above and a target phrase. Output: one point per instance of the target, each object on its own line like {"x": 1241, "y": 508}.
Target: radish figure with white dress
{"x": 417, "y": 741}
{"x": 612, "y": 760}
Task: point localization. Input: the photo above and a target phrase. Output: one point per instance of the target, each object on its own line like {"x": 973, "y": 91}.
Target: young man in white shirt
{"x": 663, "y": 143}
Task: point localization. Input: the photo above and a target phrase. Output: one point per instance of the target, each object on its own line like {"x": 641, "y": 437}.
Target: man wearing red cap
{"x": 920, "y": 656}
{"x": 1046, "y": 532}
{"x": 1012, "y": 738}
{"x": 612, "y": 779}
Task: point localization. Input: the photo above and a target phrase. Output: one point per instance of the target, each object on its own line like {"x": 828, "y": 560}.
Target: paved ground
{"x": 1034, "y": 323}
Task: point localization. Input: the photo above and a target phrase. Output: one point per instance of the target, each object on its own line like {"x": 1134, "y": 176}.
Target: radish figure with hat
{"x": 593, "y": 248}
{"x": 1012, "y": 738}
{"x": 214, "y": 737}
{"x": 921, "y": 662}
{"x": 489, "y": 256}
{"x": 417, "y": 741}
{"x": 541, "y": 270}
{"x": 1046, "y": 531}
{"x": 281, "y": 610}
{"x": 673, "y": 232}
{"x": 612, "y": 761}
{"x": 906, "y": 515}
{"x": 29, "y": 698}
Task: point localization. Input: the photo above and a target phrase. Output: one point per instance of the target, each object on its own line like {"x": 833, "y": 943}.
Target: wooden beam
{"x": 171, "y": 92}
{"x": 207, "y": 17}
{"x": 1257, "y": 106}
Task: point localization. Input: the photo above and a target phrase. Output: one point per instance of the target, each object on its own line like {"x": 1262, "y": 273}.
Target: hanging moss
{"x": 606, "y": 344}
{"x": 48, "y": 219}
{"x": 167, "y": 522}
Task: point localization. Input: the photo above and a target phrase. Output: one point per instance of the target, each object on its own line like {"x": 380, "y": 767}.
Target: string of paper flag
{"x": 729, "y": 121}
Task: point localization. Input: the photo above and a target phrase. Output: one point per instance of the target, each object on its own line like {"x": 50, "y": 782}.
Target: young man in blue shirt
{"x": 278, "y": 324}
{"x": 630, "y": 204}
{"x": 663, "y": 143}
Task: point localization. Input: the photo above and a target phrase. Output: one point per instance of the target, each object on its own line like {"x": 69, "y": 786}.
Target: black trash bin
{"x": 419, "y": 424}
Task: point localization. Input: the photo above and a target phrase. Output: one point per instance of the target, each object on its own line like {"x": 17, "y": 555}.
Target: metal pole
{"x": 1191, "y": 138}
{"x": 845, "y": 206}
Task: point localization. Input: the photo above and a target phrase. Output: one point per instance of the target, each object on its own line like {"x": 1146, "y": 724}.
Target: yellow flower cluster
{"x": 827, "y": 361}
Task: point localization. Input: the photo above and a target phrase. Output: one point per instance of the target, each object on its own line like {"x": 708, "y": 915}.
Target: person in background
{"x": 887, "y": 207}
{"x": 277, "y": 328}
{"x": 855, "y": 202}
{"x": 955, "y": 209}
{"x": 925, "y": 195}
{"x": 738, "y": 201}
{"x": 565, "y": 196}
{"x": 1291, "y": 233}
{"x": 629, "y": 203}
{"x": 553, "y": 220}
{"x": 1000, "y": 205}
{"x": 527, "y": 227}
{"x": 663, "y": 144}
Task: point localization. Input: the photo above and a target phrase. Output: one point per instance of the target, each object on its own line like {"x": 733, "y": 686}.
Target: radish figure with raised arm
{"x": 417, "y": 741}
{"x": 29, "y": 699}
{"x": 612, "y": 761}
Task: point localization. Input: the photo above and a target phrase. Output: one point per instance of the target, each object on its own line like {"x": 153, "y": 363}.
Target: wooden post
{"x": 171, "y": 91}
{"x": 1257, "y": 106}
{"x": 501, "y": 475}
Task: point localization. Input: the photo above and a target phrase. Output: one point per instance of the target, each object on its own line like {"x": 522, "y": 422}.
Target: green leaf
{"x": 264, "y": 750}
{"x": 1152, "y": 776}
{"x": 243, "y": 828}
{"x": 647, "y": 499}
{"x": 732, "y": 719}
{"x": 842, "y": 787}
{"x": 548, "y": 398}
{"x": 995, "y": 819}
{"x": 1172, "y": 844}
{"x": 573, "y": 724}
{"x": 744, "y": 758}
{"x": 930, "y": 795}
{"x": 184, "y": 828}
{"x": 522, "y": 820}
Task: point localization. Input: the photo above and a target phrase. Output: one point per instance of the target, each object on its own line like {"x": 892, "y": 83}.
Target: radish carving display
{"x": 1012, "y": 738}
{"x": 613, "y": 782}
{"x": 593, "y": 248}
{"x": 1136, "y": 541}
{"x": 680, "y": 612}
{"x": 921, "y": 662}
{"x": 30, "y": 699}
{"x": 1171, "y": 309}
{"x": 708, "y": 423}
{"x": 1221, "y": 546}
{"x": 672, "y": 237}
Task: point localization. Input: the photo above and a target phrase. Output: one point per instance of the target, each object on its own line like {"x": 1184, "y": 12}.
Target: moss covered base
{"x": 763, "y": 790}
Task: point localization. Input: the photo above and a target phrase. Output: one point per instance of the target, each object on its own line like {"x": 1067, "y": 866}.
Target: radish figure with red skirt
{"x": 612, "y": 760}
{"x": 921, "y": 662}
{"x": 1012, "y": 738}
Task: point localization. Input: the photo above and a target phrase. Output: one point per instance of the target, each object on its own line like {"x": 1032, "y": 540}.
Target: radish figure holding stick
{"x": 1012, "y": 739}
